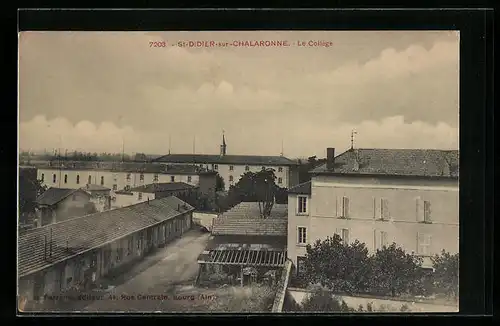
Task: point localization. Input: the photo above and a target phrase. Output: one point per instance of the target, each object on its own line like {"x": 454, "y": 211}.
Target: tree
{"x": 446, "y": 273}
{"x": 256, "y": 187}
{"x": 395, "y": 272}
{"x": 219, "y": 183}
{"x": 29, "y": 189}
{"x": 338, "y": 266}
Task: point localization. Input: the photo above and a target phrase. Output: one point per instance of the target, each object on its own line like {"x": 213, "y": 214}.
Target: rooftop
{"x": 396, "y": 162}
{"x": 78, "y": 235}
{"x": 251, "y": 210}
{"x": 249, "y": 226}
{"x": 161, "y": 187}
{"x": 301, "y": 189}
{"x": 53, "y": 196}
{"x": 226, "y": 159}
{"x": 132, "y": 167}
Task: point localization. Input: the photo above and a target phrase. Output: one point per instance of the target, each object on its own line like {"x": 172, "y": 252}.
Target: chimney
{"x": 330, "y": 158}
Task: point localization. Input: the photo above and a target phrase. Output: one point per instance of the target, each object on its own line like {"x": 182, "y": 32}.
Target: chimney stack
{"x": 330, "y": 158}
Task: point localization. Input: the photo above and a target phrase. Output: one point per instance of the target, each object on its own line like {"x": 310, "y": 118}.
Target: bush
{"x": 446, "y": 273}
{"x": 338, "y": 266}
{"x": 322, "y": 300}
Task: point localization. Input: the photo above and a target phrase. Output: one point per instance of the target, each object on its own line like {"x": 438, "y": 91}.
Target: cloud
{"x": 265, "y": 138}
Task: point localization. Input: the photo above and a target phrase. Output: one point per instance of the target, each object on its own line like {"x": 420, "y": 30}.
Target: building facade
{"x": 232, "y": 167}
{"x": 409, "y": 197}
{"x": 59, "y": 204}
{"x": 75, "y": 254}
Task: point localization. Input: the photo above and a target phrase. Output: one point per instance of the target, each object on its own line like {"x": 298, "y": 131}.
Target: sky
{"x": 97, "y": 91}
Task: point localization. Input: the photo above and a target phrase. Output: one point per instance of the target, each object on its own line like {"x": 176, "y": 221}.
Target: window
{"x": 189, "y": 178}
{"x": 280, "y": 180}
{"x": 230, "y": 178}
{"x": 115, "y": 187}
{"x": 345, "y": 207}
{"x": 301, "y": 235}
{"x": 43, "y": 177}
{"x": 380, "y": 239}
{"x": 302, "y": 205}
{"x": 231, "y": 168}
{"x": 172, "y": 178}
{"x": 141, "y": 177}
{"x": 54, "y": 178}
{"x": 423, "y": 211}
{"x": 65, "y": 178}
{"x": 130, "y": 246}
{"x": 102, "y": 181}
{"x": 77, "y": 179}
{"x": 89, "y": 180}
{"x": 280, "y": 169}
{"x": 427, "y": 212}
{"x": 215, "y": 167}
{"x": 424, "y": 243}
{"x": 301, "y": 266}
{"x": 343, "y": 234}
{"x": 155, "y": 177}
{"x": 128, "y": 176}
{"x": 384, "y": 209}
{"x": 139, "y": 196}
{"x": 247, "y": 168}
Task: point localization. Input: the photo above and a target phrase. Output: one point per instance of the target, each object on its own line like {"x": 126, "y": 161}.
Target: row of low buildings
{"x": 74, "y": 254}
{"x": 376, "y": 196}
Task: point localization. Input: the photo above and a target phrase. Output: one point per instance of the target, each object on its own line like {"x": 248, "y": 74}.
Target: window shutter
{"x": 346, "y": 207}
{"x": 385, "y": 209}
{"x": 336, "y": 206}
{"x": 374, "y": 207}
{"x": 427, "y": 211}
{"x": 429, "y": 244}
{"x": 337, "y": 232}
{"x": 383, "y": 240}
{"x": 375, "y": 240}
{"x": 419, "y": 210}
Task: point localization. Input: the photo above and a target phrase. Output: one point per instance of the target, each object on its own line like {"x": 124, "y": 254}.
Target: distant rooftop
{"x": 251, "y": 210}
{"x": 226, "y": 159}
{"x": 396, "y": 162}
{"x": 161, "y": 187}
{"x": 132, "y": 167}
{"x": 94, "y": 187}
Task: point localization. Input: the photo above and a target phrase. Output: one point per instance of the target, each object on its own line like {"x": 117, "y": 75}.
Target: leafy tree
{"x": 338, "y": 266}
{"x": 29, "y": 189}
{"x": 255, "y": 187}
{"x": 219, "y": 183}
{"x": 322, "y": 300}
{"x": 445, "y": 275}
{"x": 395, "y": 272}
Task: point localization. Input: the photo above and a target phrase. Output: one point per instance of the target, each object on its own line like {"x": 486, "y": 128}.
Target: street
{"x": 171, "y": 266}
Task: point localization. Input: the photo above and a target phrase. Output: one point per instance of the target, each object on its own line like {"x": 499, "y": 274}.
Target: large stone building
{"x": 379, "y": 196}
{"x": 232, "y": 167}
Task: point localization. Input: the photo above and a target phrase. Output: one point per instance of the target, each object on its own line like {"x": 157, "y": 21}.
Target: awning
{"x": 263, "y": 258}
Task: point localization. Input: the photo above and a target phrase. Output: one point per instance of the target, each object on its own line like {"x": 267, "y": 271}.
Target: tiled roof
{"x": 74, "y": 236}
{"x": 246, "y": 226}
{"x": 398, "y": 162}
{"x": 53, "y": 196}
{"x": 226, "y": 159}
{"x": 132, "y": 167}
{"x": 251, "y": 210}
{"x": 160, "y": 187}
{"x": 301, "y": 189}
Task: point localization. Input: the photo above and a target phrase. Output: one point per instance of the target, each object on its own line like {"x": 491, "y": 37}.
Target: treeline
{"x": 390, "y": 271}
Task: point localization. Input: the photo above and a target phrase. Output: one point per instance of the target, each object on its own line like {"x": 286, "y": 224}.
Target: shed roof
{"x": 75, "y": 236}
{"x": 53, "y": 196}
